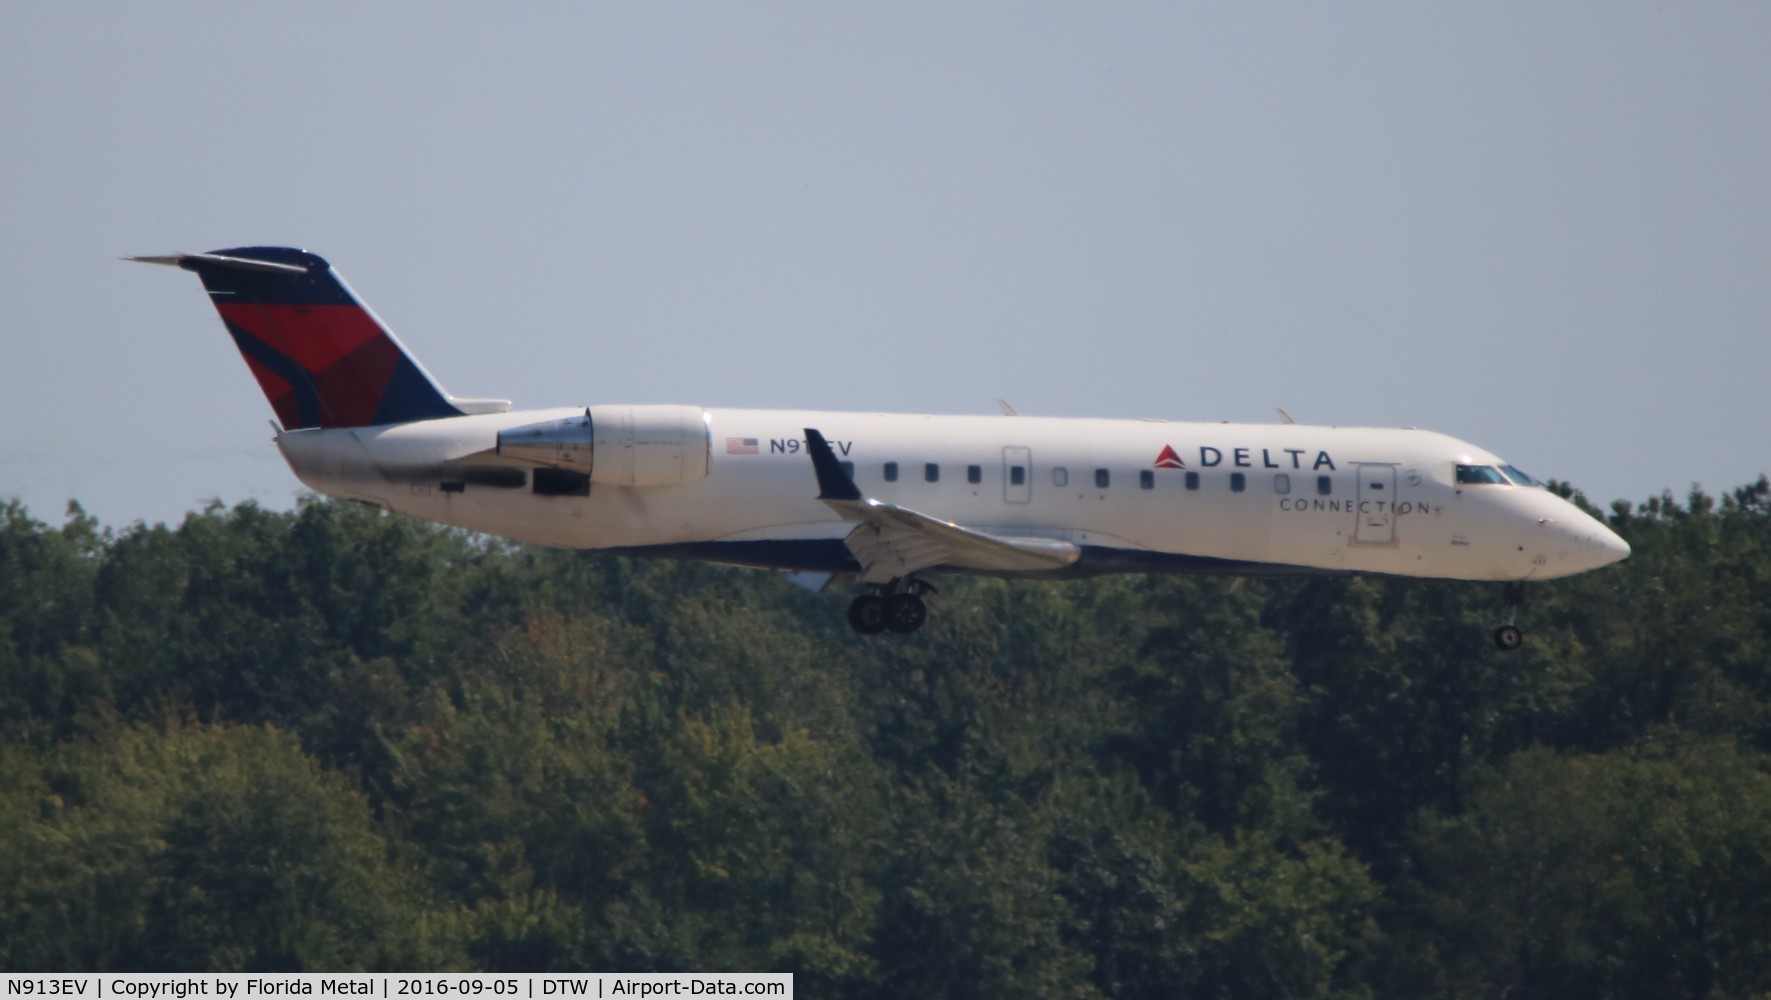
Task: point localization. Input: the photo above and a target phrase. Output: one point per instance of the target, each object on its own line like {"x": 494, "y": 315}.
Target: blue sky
{"x": 1543, "y": 228}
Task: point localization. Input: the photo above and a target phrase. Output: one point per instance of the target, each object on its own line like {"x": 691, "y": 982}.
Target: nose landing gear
{"x": 1508, "y": 637}
{"x": 891, "y": 609}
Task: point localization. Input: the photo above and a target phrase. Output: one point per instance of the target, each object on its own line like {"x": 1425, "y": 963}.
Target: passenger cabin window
{"x": 891, "y": 472}
{"x": 1281, "y": 484}
{"x": 1192, "y": 480}
{"x": 1060, "y": 476}
{"x": 1146, "y": 480}
{"x": 974, "y": 474}
{"x": 931, "y": 473}
{"x": 1238, "y": 482}
{"x": 1521, "y": 478}
{"x": 1017, "y": 475}
{"x": 1102, "y": 478}
{"x": 1480, "y": 475}
{"x": 1324, "y": 485}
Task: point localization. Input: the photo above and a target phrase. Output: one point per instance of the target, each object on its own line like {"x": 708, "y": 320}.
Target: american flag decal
{"x": 740, "y": 446}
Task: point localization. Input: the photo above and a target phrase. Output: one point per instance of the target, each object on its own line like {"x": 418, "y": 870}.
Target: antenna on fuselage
{"x": 1007, "y": 410}
{"x": 1285, "y": 416}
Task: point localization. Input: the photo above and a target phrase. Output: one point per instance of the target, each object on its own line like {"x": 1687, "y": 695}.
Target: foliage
{"x": 336, "y": 739}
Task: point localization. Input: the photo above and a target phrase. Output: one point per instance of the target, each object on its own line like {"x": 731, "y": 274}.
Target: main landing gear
{"x": 890, "y": 609}
{"x": 1508, "y": 637}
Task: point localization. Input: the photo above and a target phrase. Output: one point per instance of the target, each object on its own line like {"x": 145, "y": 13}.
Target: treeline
{"x": 334, "y": 739}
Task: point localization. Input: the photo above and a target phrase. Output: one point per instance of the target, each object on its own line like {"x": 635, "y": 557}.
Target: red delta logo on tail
{"x": 1168, "y": 459}
{"x": 321, "y": 357}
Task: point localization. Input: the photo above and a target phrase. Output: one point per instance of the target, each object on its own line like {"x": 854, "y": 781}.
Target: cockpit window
{"x": 1522, "y": 478}
{"x": 1475, "y": 475}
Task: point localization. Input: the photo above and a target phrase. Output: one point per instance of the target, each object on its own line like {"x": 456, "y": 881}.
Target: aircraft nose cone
{"x": 1569, "y": 540}
{"x": 1595, "y": 545}
{"x": 1613, "y": 548}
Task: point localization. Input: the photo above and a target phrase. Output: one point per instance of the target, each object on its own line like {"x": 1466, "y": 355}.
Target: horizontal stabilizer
{"x": 472, "y": 406}
{"x": 221, "y": 260}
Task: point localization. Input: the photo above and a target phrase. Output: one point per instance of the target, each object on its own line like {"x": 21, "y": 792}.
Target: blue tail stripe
{"x": 307, "y": 398}
{"x": 411, "y": 396}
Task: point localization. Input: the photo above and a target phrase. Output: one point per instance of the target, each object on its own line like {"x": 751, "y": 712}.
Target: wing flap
{"x": 892, "y": 541}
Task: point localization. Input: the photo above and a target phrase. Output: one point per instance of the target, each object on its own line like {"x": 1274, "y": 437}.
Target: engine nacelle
{"x": 619, "y": 445}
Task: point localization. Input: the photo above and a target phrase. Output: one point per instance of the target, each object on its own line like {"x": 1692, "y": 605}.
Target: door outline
{"x": 1014, "y": 456}
{"x": 1374, "y": 512}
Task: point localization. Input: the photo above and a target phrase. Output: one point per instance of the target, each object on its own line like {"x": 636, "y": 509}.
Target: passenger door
{"x": 1375, "y": 518}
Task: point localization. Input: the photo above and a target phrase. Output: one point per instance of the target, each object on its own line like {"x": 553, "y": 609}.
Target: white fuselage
{"x": 1233, "y": 498}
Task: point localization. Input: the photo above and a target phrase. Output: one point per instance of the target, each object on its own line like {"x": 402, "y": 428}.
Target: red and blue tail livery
{"x": 322, "y": 358}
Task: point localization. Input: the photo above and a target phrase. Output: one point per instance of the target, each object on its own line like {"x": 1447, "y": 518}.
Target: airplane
{"x": 893, "y": 502}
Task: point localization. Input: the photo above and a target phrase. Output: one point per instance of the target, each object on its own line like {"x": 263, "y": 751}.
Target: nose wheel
{"x": 900, "y": 611}
{"x": 1508, "y": 637}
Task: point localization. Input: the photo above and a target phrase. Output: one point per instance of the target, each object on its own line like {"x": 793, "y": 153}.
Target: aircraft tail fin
{"x": 322, "y": 358}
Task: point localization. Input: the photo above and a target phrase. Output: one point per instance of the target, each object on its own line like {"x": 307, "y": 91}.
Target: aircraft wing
{"x": 892, "y": 541}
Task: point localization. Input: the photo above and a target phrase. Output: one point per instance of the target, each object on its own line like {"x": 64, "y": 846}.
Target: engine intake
{"x": 619, "y": 445}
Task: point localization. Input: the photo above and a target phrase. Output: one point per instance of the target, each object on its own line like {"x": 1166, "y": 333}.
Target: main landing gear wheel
{"x": 905, "y": 612}
{"x": 900, "y": 610}
{"x": 867, "y": 615}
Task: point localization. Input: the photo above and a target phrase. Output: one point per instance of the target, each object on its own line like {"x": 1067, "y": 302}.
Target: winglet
{"x": 833, "y": 482}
